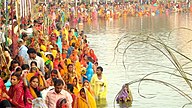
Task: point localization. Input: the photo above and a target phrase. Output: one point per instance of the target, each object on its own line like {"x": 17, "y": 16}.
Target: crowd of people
{"x": 46, "y": 59}
{"x": 47, "y": 64}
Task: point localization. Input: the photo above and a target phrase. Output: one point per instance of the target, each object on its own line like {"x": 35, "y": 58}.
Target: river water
{"x": 142, "y": 59}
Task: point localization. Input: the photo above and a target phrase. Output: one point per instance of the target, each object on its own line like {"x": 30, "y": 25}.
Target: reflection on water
{"x": 102, "y": 103}
{"x": 103, "y": 37}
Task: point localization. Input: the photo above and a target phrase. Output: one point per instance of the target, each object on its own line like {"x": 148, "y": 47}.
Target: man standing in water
{"x": 99, "y": 84}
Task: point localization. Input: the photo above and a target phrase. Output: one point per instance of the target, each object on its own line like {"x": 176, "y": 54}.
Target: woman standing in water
{"x": 85, "y": 99}
{"x": 124, "y": 95}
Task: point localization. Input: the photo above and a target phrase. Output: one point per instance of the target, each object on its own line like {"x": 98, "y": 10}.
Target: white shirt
{"x": 52, "y": 98}
{"x": 23, "y": 53}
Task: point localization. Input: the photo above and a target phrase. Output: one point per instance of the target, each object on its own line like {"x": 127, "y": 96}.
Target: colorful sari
{"x": 16, "y": 94}
{"x": 89, "y": 88}
{"x": 28, "y": 98}
{"x": 2, "y": 89}
{"x": 89, "y": 72}
{"x": 35, "y": 92}
{"x": 124, "y": 95}
{"x": 77, "y": 87}
{"x": 30, "y": 75}
{"x": 89, "y": 102}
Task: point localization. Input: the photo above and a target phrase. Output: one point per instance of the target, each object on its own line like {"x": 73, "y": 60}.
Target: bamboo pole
{"x": 6, "y": 23}
{"x": 12, "y": 31}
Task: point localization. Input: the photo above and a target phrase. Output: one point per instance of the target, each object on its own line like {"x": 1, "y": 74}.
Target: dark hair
{"x": 90, "y": 59}
{"x": 18, "y": 69}
{"x": 50, "y": 56}
{"x": 100, "y": 68}
{"x": 73, "y": 44}
{"x": 31, "y": 50}
{"x": 85, "y": 40}
{"x": 25, "y": 66}
{"x": 60, "y": 102}
{"x": 39, "y": 54}
{"x": 24, "y": 35}
{"x": 70, "y": 87}
{"x": 54, "y": 71}
{"x": 34, "y": 77}
{"x": 13, "y": 62}
{"x": 54, "y": 79}
{"x": 58, "y": 82}
{"x": 34, "y": 63}
{"x": 69, "y": 65}
{"x": 82, "y": 90}
{"x": 17, "y": 75}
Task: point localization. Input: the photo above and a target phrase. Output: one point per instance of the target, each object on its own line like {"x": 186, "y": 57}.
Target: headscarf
{"x": 43, "y": 48}
{"x": 61, "y": 103}
{"x": 89, "y": 102}
{"x": 123, "y": 94}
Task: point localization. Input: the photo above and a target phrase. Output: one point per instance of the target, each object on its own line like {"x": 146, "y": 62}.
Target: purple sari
{"x": 123, "y": 95}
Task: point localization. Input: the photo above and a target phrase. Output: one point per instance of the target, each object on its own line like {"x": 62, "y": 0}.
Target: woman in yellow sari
{"x": 76, "y": 86}
{"x": 87, "y": 85}
{"x": 85, "y": 99}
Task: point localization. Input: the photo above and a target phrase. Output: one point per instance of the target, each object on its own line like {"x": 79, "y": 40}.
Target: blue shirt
{"x": 23, "y": 53}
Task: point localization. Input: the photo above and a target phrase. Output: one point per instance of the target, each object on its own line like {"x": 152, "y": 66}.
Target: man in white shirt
{"x": 34, "y": 57}
{"x": 57, "y": 93}
{"x": 22, "y": 50}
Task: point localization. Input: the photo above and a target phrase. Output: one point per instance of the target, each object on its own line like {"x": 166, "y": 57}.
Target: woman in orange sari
{"x": 85, "y": 99}
{"x": 34, "y": 87}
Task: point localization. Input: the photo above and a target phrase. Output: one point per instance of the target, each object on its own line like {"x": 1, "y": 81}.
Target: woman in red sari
{"x": 16, "y": 92}
{"x": 4, "y": 103}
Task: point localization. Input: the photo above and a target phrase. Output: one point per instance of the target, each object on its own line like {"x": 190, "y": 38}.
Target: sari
{"x": 78, "y": 68}
{"x": 89, "y": 72}
{"x": 124, "y": 95}
{"x": 2, "y": 89}
{"x": 16, "y": 94}
{"x": 30, "y": 75}
{"x": 28, "y": 98}
{"x": 89, "y": 102}
{"x": 89, "y": 88}
{"x": 35, "y": 92}
{"x": 77, "y": 87}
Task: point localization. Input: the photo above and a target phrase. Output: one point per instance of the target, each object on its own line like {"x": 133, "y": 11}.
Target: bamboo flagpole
{"x": 29, "y": 11}
{"x": 7, "y": 19}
